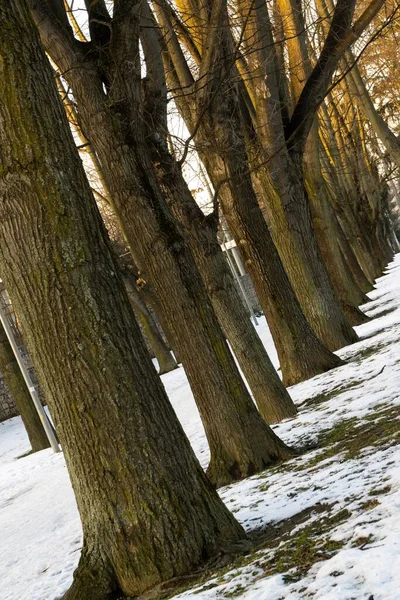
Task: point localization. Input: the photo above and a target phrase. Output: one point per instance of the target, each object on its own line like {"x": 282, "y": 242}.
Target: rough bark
{"x": 301, "y": 354}
{"x": 323, "y": 221}
{"x": 240, "y": 441}
{"x": 148, "y": 512}
{"x": 13, "y": 377}
{"x": 281, "y": 164}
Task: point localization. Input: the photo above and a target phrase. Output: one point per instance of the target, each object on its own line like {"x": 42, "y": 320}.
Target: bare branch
{"x": 340, "y": 37}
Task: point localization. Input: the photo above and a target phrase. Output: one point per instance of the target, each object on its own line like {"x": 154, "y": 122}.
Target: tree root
{"x": 222, "y": 473}
{"x": 222, "y": 559}
{"x": 93, "y": 583}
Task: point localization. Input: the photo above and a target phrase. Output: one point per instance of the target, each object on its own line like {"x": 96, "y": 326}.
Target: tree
{"x": 273, "y": 401}
{"x": 148, "y": 512}
{"x": 290, "y": 17}
{"x": 111, "y": 117}
{"x": 360, "y": 161}
{"x": 282, "y": 131}
{"x": 211, "y": 92}
{"x": 166, "y": 361}
{"x": 164, "y": 357}
{"x": 211, "y": 108}
{"x": 13, "y": 377}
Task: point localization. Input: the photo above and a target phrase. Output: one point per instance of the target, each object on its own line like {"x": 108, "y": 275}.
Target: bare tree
{"x": 111, "y": 117}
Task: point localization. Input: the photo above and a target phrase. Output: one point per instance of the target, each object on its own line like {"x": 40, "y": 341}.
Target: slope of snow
{"x": 40, "y": 532}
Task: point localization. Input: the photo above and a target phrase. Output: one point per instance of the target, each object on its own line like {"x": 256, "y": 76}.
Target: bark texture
{"x": 279, "y": 164}
{"x": 273, "y": 401}
{"x": 148, "y": 512}
{"x": 323, "y": 219}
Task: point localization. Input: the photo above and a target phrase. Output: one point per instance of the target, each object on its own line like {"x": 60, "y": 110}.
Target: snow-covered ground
{"x": 342, "y": 498}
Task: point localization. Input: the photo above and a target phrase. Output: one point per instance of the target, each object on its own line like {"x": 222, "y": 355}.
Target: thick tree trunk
{"x": 147, "y": 509}
{"x": 324, "y": 223}
{"x": 166, "y": 361}
{"x": 227, "y": 165}
{"x": 325, "y": 228}
{"x": 14, "y": 379}
{"x": 241, "y": 443}
{"x": 273, "y": 401}
{"x": 292, "y": 230}
{"x": 301, "y": 354}
{"x": 363, "y": 282}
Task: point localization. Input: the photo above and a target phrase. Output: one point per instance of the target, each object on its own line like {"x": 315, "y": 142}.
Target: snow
{"x": 40, "y": 532}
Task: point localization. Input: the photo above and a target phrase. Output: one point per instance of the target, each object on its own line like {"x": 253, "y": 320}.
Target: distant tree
{"x": 209, "y": 101}
{"x": 14, "y": 379}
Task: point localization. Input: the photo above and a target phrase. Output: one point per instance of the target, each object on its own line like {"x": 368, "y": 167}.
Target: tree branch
{"x": 99, "y": 22}
{"x": 154, "y": 84}
{"x": 340, "y": 37}
{"x": 56, "y": 33}
{"x": 182, "y": 70}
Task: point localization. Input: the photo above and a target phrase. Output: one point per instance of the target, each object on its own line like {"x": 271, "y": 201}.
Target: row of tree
{"x": 298, "y": 184}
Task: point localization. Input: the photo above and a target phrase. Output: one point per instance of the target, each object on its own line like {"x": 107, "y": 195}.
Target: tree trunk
{"x": 273, "y": 401}
{"x": 14, "y": 379}
{"x": 291, "y": 226}
{"x": 290, "y": 330}
{"x": 148, "y": 512}
{"x": 240, "y": 441}
{"x": 325, "y": 228}
{"x": 335, "y": 176}
{"x": 300, "y": 68}
{"x": 349, "y": 206}
{"x": 301, "y": 354}
{"x": 166, "y": 361}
